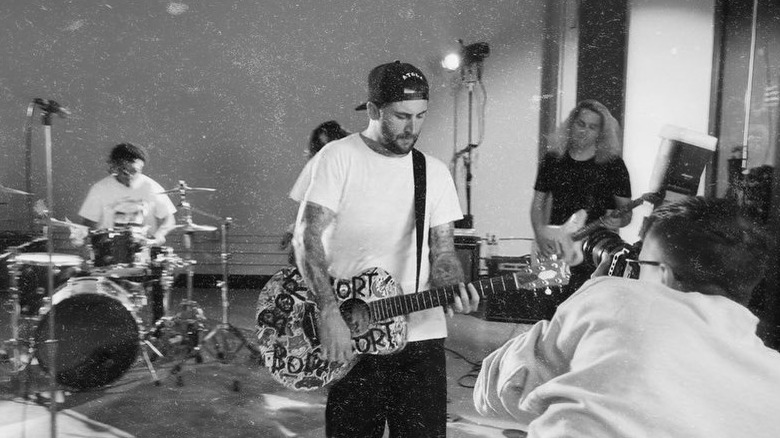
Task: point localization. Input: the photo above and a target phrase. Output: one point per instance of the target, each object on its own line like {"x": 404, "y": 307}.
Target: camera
{"x": 608, "y": 253}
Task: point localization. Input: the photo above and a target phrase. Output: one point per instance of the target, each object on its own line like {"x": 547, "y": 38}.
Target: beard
{"x": 400, "y": 144}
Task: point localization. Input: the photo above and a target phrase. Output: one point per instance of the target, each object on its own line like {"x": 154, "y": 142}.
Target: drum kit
{"x": 111, "y": 306}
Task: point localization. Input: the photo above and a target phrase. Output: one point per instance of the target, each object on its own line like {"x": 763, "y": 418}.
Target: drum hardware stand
{"x": 225, "y": 340}
{"x": 147, "y": 344}
{"x": 144, "y": 335}
{"x": 18, "y": 362}
{"x": 191, "y": 317}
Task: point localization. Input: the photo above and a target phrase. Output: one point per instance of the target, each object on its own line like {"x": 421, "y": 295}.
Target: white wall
{"x": 669, "y": 70}
{"x": 225, "y": 93}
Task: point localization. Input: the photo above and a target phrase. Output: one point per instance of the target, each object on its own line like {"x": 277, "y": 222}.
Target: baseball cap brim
{"x": 395, "y": 82}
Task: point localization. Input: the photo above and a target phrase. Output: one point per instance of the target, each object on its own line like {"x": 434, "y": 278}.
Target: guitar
{"x": 374, "y": 308}
{"x": 575, "y": 229}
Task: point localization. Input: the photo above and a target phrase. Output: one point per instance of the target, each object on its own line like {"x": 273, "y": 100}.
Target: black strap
{"x": 418, "y": 164}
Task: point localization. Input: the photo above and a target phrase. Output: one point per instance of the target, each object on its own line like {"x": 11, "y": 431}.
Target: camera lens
{"x": 603, "y": 246}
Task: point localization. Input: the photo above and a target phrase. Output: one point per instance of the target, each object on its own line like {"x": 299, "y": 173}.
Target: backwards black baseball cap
{"x": 394, "y": 82}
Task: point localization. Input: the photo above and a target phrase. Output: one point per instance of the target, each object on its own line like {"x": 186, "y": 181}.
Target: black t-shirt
{"x": 577, "y": 185}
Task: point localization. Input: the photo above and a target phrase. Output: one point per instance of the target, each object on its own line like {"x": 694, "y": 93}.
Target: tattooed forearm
{"x": 445, "y": 265}
{"x": 310, "y": 252}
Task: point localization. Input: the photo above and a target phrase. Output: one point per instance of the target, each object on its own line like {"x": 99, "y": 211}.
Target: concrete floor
{"x": 236, "y": 397}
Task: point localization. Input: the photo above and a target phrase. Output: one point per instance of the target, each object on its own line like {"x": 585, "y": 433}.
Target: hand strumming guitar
{"x": 334, "y": 335}
{"x": 335, "y": 338}
{"x": 548, "y": 242}
{"x": 615, "y": 219}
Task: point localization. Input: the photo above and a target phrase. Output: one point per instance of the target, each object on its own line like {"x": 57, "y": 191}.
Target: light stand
{"x": 468, "y": 218}
{"x": 472, "y": 56}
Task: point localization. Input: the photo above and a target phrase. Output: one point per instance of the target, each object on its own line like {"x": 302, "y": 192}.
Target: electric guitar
{"x": 374, "y": 308}
{"x": 575, "y": 229}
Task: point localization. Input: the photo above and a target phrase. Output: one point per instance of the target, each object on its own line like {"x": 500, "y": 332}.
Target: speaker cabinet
{"x": 467, "y": 248}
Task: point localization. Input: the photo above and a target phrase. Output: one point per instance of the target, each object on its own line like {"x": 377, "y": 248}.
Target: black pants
{"x": 408, "y": 390}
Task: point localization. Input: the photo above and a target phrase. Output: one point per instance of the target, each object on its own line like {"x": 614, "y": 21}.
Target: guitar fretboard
{"x": 404, "y": 304}
{"x": 589, "y": 228}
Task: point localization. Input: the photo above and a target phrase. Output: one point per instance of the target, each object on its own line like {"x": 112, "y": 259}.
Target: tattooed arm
{"x": 446, "y": 268}
{"x": 333, "y": 331}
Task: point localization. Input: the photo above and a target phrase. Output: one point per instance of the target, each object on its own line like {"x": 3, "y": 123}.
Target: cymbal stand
{"x": 225, "y": 340}
{"x": 189, "y": 321}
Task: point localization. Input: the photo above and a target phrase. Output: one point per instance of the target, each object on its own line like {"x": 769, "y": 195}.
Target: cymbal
{"x": 194, "y": 228}
{"x": 59, "y": 223}
{"x": 187, "y": 188}
{"x": 4, "y": 189}
{"x": 204, "y": 213}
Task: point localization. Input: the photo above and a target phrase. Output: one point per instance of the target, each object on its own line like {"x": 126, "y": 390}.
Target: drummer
{"x": 128, "y": 200}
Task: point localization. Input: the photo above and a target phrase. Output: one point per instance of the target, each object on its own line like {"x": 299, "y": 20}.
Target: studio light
{"x": 476, "y": 52}
{"x": 467, "y": 56}
{"x": 451, "y": 62}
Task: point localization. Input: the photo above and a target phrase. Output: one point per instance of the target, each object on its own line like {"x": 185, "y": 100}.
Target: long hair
{"x": 608, "y": 144}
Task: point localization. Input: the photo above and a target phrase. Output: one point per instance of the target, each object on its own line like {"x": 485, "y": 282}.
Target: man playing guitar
{"x": 583, "y": 170}
{"x": 358, "y": 211}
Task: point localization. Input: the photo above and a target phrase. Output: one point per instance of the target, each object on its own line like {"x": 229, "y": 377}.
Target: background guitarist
{"x": 583, "y": 169}
{"x": 357, "y": 211}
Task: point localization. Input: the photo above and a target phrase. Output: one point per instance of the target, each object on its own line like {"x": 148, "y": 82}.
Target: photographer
{"x": 674, "y": 353}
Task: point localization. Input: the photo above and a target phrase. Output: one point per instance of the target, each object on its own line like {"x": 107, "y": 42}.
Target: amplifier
{"x": 467, "y": 248}
{"x": 526, "y": 306}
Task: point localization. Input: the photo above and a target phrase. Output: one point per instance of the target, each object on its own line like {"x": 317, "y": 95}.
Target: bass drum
{"x": 96, "y": 330}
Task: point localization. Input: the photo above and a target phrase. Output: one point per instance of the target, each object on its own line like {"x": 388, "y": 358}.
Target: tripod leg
{"x": 148, "y": 361}
{"x": 153, "y": 348}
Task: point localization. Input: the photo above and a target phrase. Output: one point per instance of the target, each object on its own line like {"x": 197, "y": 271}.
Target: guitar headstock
{"x": 544, "y": 273}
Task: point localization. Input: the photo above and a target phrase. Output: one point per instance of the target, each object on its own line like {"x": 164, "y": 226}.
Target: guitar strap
{"x": 418, "y": 165}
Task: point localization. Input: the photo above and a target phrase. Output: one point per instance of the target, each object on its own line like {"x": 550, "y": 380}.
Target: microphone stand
{"x": 46, "y": 116}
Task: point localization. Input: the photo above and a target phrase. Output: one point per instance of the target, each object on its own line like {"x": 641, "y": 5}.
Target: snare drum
{"x": 31, "y": 273}
{"x": 97, "y": 332}
{"x": 113, "y": 247}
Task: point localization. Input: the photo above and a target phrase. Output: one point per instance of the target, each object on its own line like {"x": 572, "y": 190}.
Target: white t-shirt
{"x": 630, "y": 358}
{"x": 373, "y": 198}
{"x": 110, "y": 203}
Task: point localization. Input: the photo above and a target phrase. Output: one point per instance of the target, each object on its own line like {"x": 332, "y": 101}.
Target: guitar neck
{"x": 589, "y": 228}
{"x": 408, "y": 303}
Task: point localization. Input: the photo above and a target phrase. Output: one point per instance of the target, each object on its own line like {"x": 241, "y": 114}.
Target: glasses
{"x": 633, "y": 266}
{"x": 643, "y": 262}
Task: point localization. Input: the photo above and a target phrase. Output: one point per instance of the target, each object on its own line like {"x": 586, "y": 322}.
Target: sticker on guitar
{"x": 374, "y": 308}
